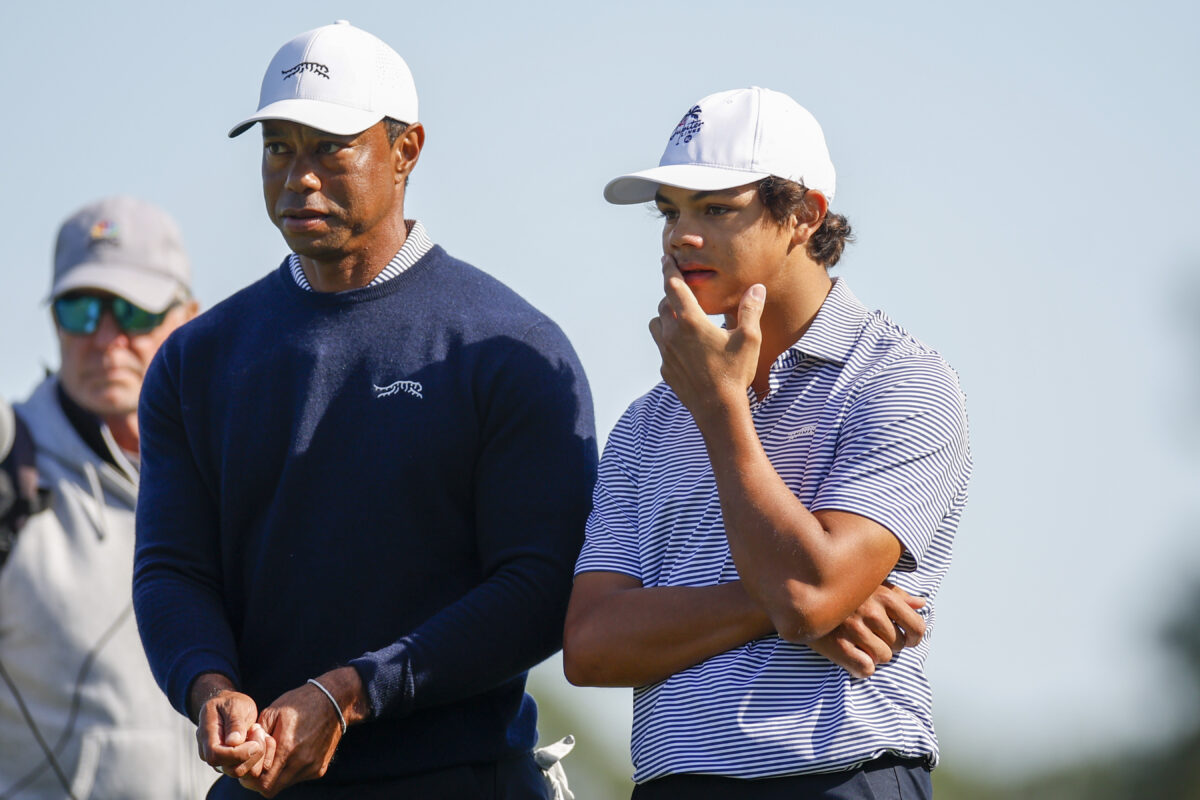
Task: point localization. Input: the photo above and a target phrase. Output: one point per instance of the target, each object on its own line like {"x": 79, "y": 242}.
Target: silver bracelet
{"x": 336, "y": 707}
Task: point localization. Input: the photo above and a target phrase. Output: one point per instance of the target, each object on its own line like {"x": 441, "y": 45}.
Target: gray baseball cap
{"x": 125, "y": 246}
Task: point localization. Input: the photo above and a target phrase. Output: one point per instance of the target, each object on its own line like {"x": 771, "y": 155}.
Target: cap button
{"x": 341, "y": 22}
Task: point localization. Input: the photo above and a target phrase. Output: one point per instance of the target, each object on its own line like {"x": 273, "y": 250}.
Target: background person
{"x": 789, "y": 464}
{"x": 366, "y": 476}
{"x": 80, "y": 715}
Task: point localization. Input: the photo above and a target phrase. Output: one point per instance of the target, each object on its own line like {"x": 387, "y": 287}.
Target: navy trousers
{"x": 885, "y": 778}
{"x": 513, "y": 779}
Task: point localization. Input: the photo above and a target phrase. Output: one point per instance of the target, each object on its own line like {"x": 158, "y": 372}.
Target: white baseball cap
{"x": 336, "y": 78}
{"x": 733, "y": 138}
{"x": 125, "y": 246}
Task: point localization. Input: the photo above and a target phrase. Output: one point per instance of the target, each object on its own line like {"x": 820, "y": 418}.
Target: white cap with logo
{"x": 731, "y": 139}
{"x": 336, "y": 78}
{"x": 124, "y": 246}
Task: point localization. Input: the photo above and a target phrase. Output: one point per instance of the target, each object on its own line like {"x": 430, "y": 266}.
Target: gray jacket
{"x": 71, "y": 663}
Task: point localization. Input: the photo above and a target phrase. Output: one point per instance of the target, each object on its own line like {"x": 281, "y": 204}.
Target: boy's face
{"x": 723, "y": 242}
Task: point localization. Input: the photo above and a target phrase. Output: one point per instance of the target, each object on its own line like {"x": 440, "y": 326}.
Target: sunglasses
{"x": 80, "y": 314}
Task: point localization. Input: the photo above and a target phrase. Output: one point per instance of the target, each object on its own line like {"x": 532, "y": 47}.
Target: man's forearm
{"x": 178, "y": 592}
{"x": 499, "y": 629}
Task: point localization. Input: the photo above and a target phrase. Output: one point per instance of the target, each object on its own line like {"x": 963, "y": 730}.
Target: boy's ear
{"x": 809, "y": 216}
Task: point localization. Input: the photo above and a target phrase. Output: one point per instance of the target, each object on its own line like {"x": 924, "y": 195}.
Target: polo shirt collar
{"x": 416, "y": 244}
{"x": 836, "y": 327}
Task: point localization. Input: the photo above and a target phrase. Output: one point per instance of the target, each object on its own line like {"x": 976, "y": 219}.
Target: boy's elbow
{"x": 801, "y": 613}
{"x": 589, "y": 658}
{"x": 580, "y": 666}
{"x": 576, "y": 671}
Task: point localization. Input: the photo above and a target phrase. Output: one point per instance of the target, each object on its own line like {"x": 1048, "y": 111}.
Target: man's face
{"x": 329, "y": 194}
{"x": 103, "y": 371}
{"x": 723, "y": 242}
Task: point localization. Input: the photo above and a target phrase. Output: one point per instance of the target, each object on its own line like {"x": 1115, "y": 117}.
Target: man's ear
{"x": 809, "y": 216}
{"x": 191, "y": 307}
{"x": 406, "y": 150}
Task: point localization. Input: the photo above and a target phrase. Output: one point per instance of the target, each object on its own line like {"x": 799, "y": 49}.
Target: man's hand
{"x": 881, "y": 627}
{"x": 705, "y": 365}
{"x": 228, "y": 735}
{"x": 306, "y": 731}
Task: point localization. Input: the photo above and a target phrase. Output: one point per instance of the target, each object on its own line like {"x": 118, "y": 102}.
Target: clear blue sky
{"x": 1021, "y": 177}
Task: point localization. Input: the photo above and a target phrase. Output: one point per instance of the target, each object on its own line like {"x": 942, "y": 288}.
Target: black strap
{"x": 86, "y": 424}
{"x": 20, "y": 497}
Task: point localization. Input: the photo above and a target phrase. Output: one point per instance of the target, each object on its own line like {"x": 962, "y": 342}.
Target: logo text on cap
{"x": 688, "y": 127}
{"x": 307, "y": 66}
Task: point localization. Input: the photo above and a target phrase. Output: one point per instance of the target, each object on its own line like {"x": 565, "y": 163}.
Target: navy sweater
{"x": 395, "y": 477}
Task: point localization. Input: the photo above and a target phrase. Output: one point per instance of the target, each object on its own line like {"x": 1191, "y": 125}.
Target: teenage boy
{"x": 754, "y": 508}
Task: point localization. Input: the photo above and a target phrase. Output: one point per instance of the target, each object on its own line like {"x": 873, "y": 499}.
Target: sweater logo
{"x": 408, "y": 387}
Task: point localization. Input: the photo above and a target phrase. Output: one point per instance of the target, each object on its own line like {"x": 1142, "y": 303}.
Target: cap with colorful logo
{"x": 336, "y": 78}
{"x": 124, "y": 246}
{"x": 731, "y": 139}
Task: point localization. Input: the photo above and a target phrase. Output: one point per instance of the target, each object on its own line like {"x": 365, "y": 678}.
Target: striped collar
{"x": 416, "y": 244}
{"x": 836, "y": 327}
{"x": 829, "y": 337}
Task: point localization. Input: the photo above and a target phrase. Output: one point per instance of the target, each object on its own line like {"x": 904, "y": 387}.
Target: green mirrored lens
{"x": 134, "y": 319}
{"x": 79, "y": 314}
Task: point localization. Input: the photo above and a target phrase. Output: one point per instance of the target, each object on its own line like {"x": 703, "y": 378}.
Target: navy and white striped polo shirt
{"x": 416, "y": 244}
{"x": 859, "y": 417}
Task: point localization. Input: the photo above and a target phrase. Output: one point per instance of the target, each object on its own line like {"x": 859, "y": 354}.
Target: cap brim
{"x": 152, "y": 291}
{"x": 640, "y": 187}
{"x": 335, "y": 119}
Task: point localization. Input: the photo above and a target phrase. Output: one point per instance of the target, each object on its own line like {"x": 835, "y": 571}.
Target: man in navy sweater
{"x": 365, "y": 476}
